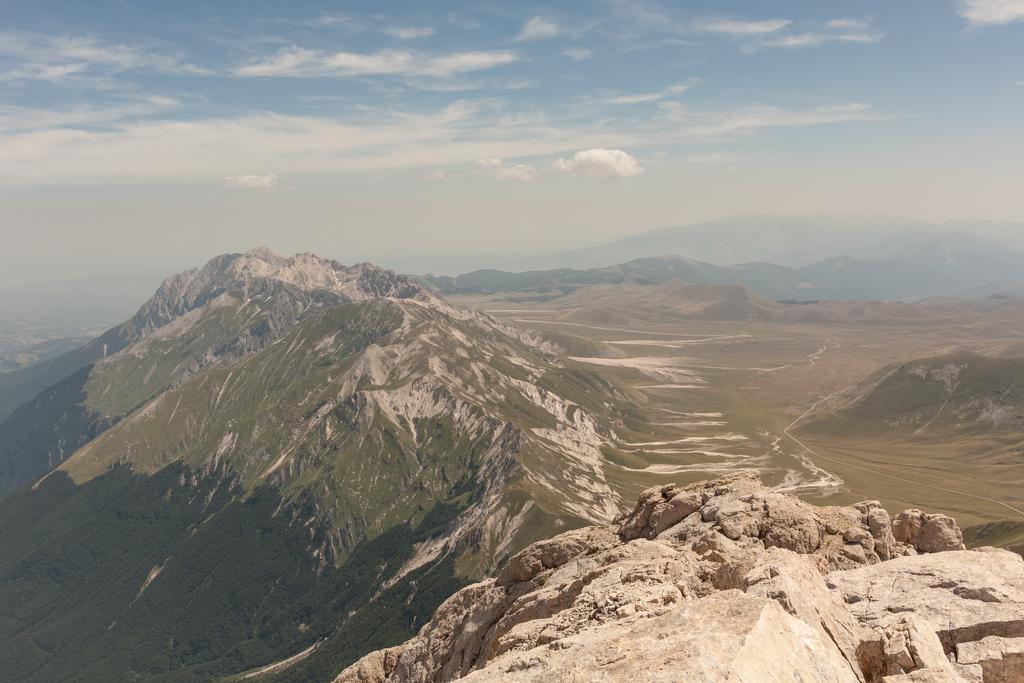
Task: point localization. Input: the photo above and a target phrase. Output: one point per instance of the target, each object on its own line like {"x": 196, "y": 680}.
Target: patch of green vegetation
{"x": 942, "y": 397}
{"x": 45, "y": 430}
{"x": 20, "y": 386}
{"x": 237, "y": 586}
{"x": 1006, "y": 534}
{"x": 261, "y": 398}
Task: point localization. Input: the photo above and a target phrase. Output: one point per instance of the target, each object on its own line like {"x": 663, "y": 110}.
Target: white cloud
{"x": 267, "y": 181}
{"x": 745, "y": 28}
{"x": 496, "y": 168}
{"x": 297, "y": 61}
{"x": 408, "y": 32}
{"x": 671, "y": 91}
{"x": 539, "y": 28}
{"x": 577, "y": 54}
{"x": 814, "y": 39}
{"x": 601, "y": 163}
{"x": 55, "y": 58}
{"x": 991, "y": 12}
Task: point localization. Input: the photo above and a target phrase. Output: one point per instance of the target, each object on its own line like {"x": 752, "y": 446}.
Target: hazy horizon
{"x": 445, "y": 262}
{"x": 143, "y": 138}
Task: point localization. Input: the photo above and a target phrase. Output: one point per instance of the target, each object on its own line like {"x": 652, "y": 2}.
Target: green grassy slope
{"x": 238, "y": 587}
{"x": 44, "y": 431}
{"x": 945, "y": 397}
{"x": 19, "y": 386}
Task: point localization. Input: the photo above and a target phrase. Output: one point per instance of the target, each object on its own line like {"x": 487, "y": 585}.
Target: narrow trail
{"x": 786, "y": 431}
{"x": 598, "y": 327}
{"x": 281, "y": 665}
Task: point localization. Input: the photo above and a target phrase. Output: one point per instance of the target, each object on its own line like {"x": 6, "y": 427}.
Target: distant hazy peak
{"x": 264, "y": 253}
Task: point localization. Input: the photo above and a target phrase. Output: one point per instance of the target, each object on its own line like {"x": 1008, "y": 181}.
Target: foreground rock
{"x": 729, "y": 581}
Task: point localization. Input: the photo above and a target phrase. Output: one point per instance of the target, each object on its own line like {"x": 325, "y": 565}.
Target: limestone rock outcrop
{"x": 728, "y": 580}
{"x": 928, "y": 533}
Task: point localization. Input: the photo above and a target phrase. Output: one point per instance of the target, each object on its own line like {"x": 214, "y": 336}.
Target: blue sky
{"x": 395, "y": 130}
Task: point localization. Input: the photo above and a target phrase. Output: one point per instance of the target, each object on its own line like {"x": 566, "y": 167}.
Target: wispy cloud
{"x": 496, "y": 168}
{"x": 266, "y": 181}
{"x": 82, "y": 146}
{"x": 639, "y": 98}
{"x": 785, "y": 33}
{"x": 640, "y": 22}
{"x": 744, "y": 28}
{"x": 302, "y": 62}
{"x": 847, "y": 24}
{"x": 816, "y": 38}
{"x": 214, "y": 148}
{"x": 336, "y": 20}
{"x": 56, "y": 58}
{"x": 991, "y": 12}
{"x": 600, "y": 163}
{"x": 408, "y": 32}
{"x": 578, "y": 54}
{"x": 635, "y": 18}
{"x": 14, "y": 119}
{"x": 461, "y": 21}
{"x": 747, "y": 120}
{"x": 648, "y": 19}
{"x": 539, "y": 28}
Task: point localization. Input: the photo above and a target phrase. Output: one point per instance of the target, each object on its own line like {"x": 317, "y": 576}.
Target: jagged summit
{"x": 259, "y": 270}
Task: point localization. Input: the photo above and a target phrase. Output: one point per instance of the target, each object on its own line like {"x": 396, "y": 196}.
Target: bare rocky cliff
{"x": 729, "y": 581}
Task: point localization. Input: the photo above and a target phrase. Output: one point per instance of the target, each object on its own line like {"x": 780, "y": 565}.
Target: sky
{"x": 143, "y": 136}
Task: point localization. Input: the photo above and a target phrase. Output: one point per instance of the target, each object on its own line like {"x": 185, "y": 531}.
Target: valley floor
{"x": 719, "y": 396}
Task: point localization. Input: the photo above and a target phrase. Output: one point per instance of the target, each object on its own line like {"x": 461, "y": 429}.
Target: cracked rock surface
{"x": 727, "y": 580}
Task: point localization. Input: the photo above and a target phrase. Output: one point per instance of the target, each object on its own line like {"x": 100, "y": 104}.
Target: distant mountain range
{"x": 792, "y": 240}
{"x": 913, "y": 266}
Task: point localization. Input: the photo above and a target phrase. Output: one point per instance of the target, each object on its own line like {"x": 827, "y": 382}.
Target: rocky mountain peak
{"x": 260, "y": 268}
{"x": 727, "y": 580}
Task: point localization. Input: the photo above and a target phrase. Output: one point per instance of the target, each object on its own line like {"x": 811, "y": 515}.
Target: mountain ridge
{"x": 382, "y": 435}
{"x": 791, "y": 240}
{"x": 906, "y": 277}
